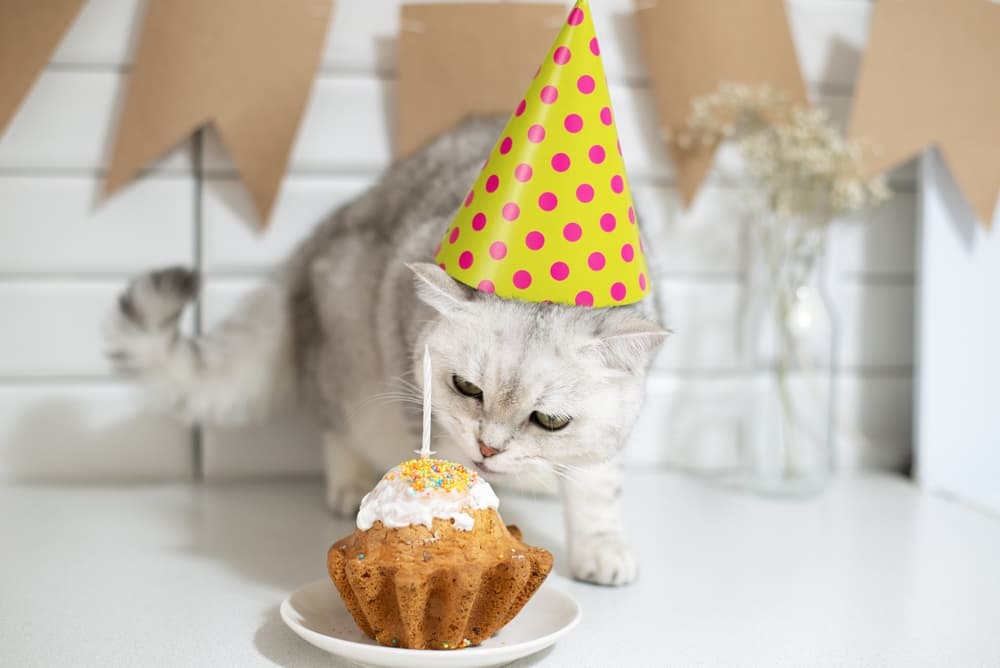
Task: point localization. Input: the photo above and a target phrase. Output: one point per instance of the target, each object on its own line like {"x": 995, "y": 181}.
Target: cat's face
{"x": 522, "y": 387}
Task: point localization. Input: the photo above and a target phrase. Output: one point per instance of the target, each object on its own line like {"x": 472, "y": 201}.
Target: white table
{"x": 871, "y": 573}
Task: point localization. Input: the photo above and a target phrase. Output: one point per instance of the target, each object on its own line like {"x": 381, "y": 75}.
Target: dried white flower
{"x": 799, "y": 160}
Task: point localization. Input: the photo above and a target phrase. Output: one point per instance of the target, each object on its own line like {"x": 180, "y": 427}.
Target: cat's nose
{"x": 486, "y": 451}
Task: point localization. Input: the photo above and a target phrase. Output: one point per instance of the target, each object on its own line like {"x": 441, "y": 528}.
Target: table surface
{"x": 871, "y": 572}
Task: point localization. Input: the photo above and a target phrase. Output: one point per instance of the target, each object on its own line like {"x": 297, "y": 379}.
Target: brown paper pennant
{"x": 460, "y": 59}
{"x": 691, "y": 46}
{"x": 29, "y": 33}
{"x": 245, "y": 66}
{"x": 931, "y": 75}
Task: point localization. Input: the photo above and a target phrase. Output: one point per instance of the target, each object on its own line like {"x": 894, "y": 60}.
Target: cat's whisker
{"x": 387, "y": 398}
{"x": 568, "y": 472}
{"x": 393, "y": 393}
{"x": 407, "y": 384}
{"x": 383, "y": 400}
{"x": 546, "y": 465}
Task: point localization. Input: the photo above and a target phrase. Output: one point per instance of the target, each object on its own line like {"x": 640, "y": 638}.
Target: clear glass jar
{"x": 789, "y": 346}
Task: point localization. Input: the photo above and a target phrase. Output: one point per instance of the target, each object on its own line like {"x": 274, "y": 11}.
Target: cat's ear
{"x": 439, "y": 290}
{"x": 629, "y": 344}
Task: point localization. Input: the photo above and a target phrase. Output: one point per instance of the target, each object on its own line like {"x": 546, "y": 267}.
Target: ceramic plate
{"x": 316, "y": 613}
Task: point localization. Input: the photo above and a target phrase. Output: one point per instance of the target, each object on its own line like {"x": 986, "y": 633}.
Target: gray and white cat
{"x": 521, "y": 389}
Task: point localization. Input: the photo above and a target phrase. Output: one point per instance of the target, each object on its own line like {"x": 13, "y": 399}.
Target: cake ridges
{"x": 454, "y": 591}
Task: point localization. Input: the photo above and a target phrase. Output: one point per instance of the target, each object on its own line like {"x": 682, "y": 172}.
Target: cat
{"x": 520, "y": 389}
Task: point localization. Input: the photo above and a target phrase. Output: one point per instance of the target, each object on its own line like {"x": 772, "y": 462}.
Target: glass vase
{"x": 789, "y": 345}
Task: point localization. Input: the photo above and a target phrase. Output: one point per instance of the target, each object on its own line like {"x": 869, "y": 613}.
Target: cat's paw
{"x": 344, "y": 498}
{"x": 604, "y": 559}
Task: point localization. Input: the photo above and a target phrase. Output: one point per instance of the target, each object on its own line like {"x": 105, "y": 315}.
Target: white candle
{"x": 425, "y": 444}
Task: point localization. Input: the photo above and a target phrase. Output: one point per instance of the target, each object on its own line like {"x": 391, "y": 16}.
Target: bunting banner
{"x": 927, "y": 78}
{"x": 931, "y": 76}
{"x": 244, "y": 66}
{"x": 29, "y": 33}
{"x": 691, "y": 46}
{"x": 469, "y": 58}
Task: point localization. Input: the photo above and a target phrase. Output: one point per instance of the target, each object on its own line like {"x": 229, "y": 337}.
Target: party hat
{"x": 550, "y": 217}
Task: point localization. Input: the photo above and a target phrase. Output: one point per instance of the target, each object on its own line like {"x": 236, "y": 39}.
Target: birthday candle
{"x": 425, "y": 444}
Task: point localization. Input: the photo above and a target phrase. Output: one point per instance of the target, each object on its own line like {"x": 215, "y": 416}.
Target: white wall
{"x": 957, "y": 452}
{"x": 64, "y": 253}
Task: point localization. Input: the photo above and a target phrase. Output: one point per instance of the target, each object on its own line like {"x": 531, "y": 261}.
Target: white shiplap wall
{"x": 65, "y": 252}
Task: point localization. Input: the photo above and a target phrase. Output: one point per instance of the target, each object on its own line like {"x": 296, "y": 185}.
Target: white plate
{"x": 316, "y": 613}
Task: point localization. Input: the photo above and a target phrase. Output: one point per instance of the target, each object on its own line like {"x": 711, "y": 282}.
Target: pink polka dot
{"x": 631, "y": 215}
{"x": 549, "y": 94}
{"x": 547, "y": 201}
{"x": 606, "y": 115}
{"x": 596, "y": 261}
{"x": 536, "y": 133}
{"x": 520, "y": 107}
{"x": 505, "y": 145}
{"x": 596, "y": 154}
{"x": 595, "y": 48}
{"x": 465, "y": 260}
{"x": 560, "y": 162}
{"x": 492, "y": 183}
{"x": 618, "y": 291}
{"x": 453, "y": 237}
{"x": 535, "y": 240}
{"x": 468, "y": 198}
{"x": 561, "y": 55}
{"x": 559, "y": 271}
{"x": 575, "y": 17}
{"x": 572, "y": 232}
{"x": 498, "y": 250}
{"x": 523, "y": 172}
{"x": 441, "y": 264}
{"x": 486, "y": 285}
{"x": 510, "y": 211}
{"x": 628, "y": 252}
{"x": 642, "y": 281}
{"x": 585, "y": 84}
{"x": 608, "y": 222}
{"x": 585, "y": 192}
{"x": 573, "y": 123}
{"x": 584, "y": 298}
{"x": 522, "y": 279}
{"x": 479, "y": 221}
{"x": 617, "y": 184}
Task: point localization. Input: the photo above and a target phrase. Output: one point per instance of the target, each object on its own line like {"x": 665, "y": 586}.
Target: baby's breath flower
{"x": 798, "y": 158}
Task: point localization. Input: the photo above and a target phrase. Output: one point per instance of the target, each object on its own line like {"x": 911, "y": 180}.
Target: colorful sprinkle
{"x": 426, "y": 475}
{"x": 395, "y": 642}
{"x": 361, "y": 555}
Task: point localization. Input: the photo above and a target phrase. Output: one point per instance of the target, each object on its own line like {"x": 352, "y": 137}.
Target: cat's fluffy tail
{"x": 238, "y": 373}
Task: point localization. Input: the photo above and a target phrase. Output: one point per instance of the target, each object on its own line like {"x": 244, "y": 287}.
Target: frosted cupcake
{"x": 431, "y": 564}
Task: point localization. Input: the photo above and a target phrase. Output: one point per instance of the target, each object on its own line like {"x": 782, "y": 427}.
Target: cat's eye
{"x": 467, "y": 388}
{"x": 550, "y": 422}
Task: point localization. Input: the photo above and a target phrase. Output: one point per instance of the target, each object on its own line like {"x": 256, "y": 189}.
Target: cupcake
{"x": 431, "y": 564}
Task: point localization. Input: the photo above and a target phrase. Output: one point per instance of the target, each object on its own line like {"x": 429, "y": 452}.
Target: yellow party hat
{"x": 550, "y": 218}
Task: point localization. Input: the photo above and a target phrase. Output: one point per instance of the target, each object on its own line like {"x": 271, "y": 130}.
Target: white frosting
{"x": 396, "y": 504}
